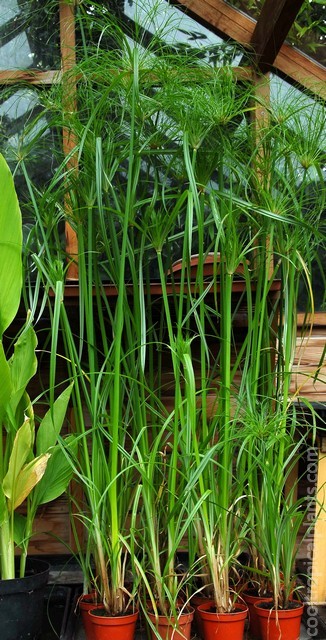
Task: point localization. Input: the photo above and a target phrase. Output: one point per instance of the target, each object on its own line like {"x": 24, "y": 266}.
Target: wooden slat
{"x": 238, "y": 286}
{"x": 319, "y": 319}
{"x": 308, "y": 379}
{"x": 51, "y": 531}
{"x": 309, "y": 351}
{"x": 226, "y": 20}
{"x": 29, "y": 76}
{"x": 274, "y": 22}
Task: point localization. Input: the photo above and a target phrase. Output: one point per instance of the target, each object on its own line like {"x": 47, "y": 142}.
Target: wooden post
{"x": 68, "y": 57}
{"x": 260, "y": 118}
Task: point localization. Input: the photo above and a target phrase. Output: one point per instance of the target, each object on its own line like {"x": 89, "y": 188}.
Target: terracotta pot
{"x": 169, "y": 628}
{"x": 86, "y": 603}
{"x": 197, "y": 625}
{"x": 107, "y": 627}
{"x": 283, "y": 624}
{"x": 219, "y": 626}
{"x": 250, "y": 598}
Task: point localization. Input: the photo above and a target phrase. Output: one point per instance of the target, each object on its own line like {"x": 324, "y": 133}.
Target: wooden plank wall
{"x": 309, "y": 378}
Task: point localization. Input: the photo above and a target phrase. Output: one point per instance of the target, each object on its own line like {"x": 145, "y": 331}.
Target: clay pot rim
{"x": 293, "y": 610}
{"x": 253, "y": 592}
{"x": 183, "y": 608}
{"x": 124, "y": 618}
{"x": 187, "y": 611}
{"x": 242, "y": 610}
{"x": 251, "y": 598}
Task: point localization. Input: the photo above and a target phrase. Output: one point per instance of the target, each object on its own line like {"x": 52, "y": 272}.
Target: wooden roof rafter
{"x": 273, "y": 25}
{"x": 265, "y": 38}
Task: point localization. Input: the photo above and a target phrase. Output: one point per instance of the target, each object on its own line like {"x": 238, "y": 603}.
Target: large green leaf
{"x": 58, "y": 474}
{"x": 23, "y": 411}
{"x": 23, "y": 365}
{"x": 10, "y": 248}
{"x": 50, "y": 427}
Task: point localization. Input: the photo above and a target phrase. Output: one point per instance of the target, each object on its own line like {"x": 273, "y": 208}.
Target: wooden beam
{"x": 221, "y": 18}
{"x": 227, "y": 21}
{"x": 319, "y": 319}
{"x": 29, "y": 76}
{"x": 272, "y": 27}
{"x": 67, "y": 34}
{"x": 303, "y": 70}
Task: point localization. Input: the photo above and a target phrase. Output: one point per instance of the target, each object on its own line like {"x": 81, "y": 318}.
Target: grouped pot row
{"x": 201, "y": 620}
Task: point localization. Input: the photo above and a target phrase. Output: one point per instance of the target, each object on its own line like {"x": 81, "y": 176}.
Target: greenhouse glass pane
{"x": 181, "y": 31}
{"x": 146, "y": 21}
{"x": 33, "y": 152}
{"x": 25, "y": 136}
{"x": 29, "y": 35}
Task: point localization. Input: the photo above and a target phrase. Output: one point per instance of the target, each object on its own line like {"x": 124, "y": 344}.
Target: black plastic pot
{"x": 21, "y": 603}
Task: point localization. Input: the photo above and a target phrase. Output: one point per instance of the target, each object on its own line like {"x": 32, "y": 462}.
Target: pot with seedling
{"x": 166, "y": 517}
{"x": 220, "y": 525}
{"x": 34, "y": 469}
{"x": 280, "y": 515}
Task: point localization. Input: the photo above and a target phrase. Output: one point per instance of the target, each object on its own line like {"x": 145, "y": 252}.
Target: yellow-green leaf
{"x": 20, "y": 451}
{"x": 27, "y": 479}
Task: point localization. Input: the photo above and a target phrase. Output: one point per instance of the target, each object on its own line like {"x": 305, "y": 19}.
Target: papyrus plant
{"x": 279, "y": 520}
